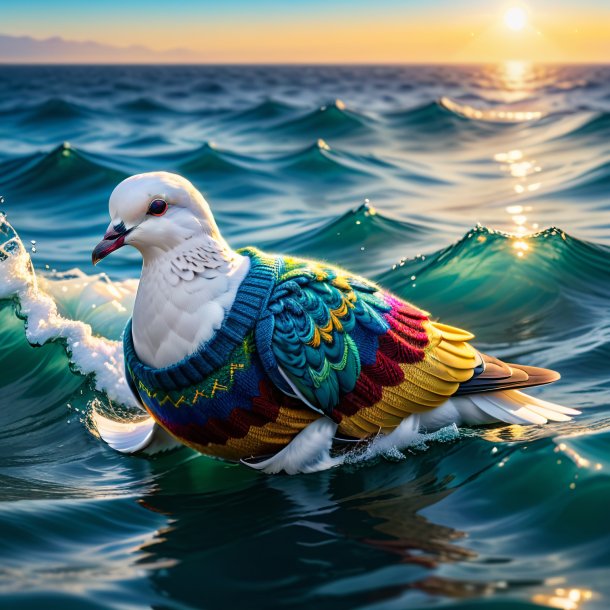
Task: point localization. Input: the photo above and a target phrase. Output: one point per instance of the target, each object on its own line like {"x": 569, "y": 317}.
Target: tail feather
{"x": 506, "y": 409}
{"x": 497, "y": 375}
{"x": 553, "y": 406}
{"x": 514, "y": 407}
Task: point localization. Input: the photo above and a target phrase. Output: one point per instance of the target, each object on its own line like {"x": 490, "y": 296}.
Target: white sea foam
{"x": 397, "y": 448}
{"x": 90, "y": 354}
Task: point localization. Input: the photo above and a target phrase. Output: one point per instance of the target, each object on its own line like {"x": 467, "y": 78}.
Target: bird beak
{"x": 114, "y": 238}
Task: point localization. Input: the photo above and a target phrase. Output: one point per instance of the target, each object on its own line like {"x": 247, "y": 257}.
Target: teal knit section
{"x": 248, "y": 308}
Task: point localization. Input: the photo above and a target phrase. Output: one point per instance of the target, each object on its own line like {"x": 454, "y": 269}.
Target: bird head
{"x": 155, "y": 212}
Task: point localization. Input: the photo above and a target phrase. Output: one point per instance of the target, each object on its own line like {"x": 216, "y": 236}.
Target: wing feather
{"x": 369, "y": 360}
{"x": 448, "y": 361}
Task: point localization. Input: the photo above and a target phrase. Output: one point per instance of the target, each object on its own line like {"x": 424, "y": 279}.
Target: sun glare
{"x": 515, "y": 18}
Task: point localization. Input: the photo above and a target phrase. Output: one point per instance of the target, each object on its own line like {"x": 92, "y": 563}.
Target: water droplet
{"x": 413, "y": 278}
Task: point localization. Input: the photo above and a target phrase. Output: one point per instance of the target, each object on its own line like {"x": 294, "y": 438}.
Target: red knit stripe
{"x": 265, "y": 409}
{"x": 366, "y": 393}
{"x": 417, "y": 336}
{"x": 398, "y": 349}
{"x": 405, "y": 308}
{"x": 385, "y": 371}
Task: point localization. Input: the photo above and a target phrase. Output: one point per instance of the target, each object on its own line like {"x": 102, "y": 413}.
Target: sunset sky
{"x": 330, "y": 31}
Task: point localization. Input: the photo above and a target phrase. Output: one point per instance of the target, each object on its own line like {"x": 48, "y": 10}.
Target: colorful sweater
{"x": 303, "y": 340}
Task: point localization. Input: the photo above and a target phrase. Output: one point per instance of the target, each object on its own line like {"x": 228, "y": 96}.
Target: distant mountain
{"x": 25, "y": 49}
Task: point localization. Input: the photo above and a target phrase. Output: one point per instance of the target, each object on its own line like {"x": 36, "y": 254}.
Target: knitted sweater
{"x": 302, "y": 339}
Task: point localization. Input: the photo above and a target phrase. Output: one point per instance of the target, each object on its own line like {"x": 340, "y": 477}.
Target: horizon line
{"x": 305, "y": 64}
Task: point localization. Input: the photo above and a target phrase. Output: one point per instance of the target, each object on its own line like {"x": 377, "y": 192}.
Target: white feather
{"x": 505, "y": 409}
{"x": 132, "y": 437}
{"x": 553, "y": 410}
{"x": 404, "y": 435}
{"x": 309, "y": 451}
{"x": 508, "y": 406}
{"x": 178, "y": 308}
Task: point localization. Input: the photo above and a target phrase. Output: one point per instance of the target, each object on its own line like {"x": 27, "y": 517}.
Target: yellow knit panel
{"x": 449, "y": 360}
{"x": 262, "y": 440}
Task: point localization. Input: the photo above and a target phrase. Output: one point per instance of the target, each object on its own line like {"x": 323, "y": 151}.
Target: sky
{"x": 328, "y": 31}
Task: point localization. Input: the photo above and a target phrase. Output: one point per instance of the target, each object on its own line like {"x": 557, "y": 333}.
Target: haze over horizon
{"x": 334, "y": 31}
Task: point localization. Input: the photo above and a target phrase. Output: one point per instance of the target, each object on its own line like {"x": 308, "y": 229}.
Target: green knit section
{"x": 220, "y": 381}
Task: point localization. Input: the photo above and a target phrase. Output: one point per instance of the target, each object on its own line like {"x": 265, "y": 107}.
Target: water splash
{"x": 90, "y": 354}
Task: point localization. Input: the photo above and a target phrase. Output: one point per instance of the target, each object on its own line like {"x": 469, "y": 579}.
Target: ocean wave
{"x": 90, "y": 354}
{"x": 422, "y": 114}
{"x": 209, "y": 87}
{"x": 267, "y": 110}
{"x": 363, "y": 240}
{"x": 447, "y": 114}
{"x": 320, "y": 161}
{"x": 54, "y": 110}
{"x": 590, "y": 180}
{"x": 144, "y": 145}
{"x": 145, "y": 105}
{"x": 527, "y": 286}
{"x": 594, "y": 124}
{"x": 51, "y": 172}
{"x": 331, "y": 120}
{"x": 489, "y": 115}
{"x": 208, "y": 160}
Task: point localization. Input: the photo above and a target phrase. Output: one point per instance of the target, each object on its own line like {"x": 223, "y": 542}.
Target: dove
{"x": 277, "y": 361}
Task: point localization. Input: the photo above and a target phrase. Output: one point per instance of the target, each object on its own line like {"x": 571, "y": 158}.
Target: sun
{"x": 515, "y": 18}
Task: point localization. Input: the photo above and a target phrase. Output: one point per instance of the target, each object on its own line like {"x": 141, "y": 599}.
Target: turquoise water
{"x": 479, "y": 193}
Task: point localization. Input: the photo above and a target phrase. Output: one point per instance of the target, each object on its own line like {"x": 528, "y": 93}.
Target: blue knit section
{"x": 250, "y": 301}
{"x": 220, "y": 407}
{"x": 367, "y": 344}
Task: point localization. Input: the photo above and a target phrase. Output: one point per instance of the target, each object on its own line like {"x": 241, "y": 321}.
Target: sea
{"x": 480, "y": 193}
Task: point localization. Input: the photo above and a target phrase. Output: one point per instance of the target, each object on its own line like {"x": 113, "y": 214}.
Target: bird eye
{"x": 157, "y": 207}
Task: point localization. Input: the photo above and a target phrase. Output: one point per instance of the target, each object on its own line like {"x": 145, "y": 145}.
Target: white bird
{"x": 271, "y": 359}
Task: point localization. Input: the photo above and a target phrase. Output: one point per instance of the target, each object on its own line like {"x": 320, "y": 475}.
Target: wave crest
{"x": 89, "y": 354}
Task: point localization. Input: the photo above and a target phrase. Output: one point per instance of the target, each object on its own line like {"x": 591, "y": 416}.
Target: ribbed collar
{"x": 251, "y": 299}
